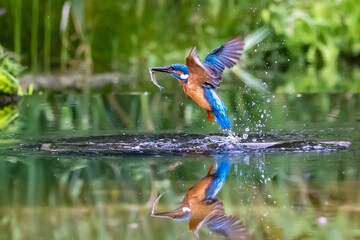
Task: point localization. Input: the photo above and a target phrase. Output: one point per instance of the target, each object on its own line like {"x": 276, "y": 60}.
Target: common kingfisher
{"x": 201, "y": 207}
{"x": 200, "y": 79}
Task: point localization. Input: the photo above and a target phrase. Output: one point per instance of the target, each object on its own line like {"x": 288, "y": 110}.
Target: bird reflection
{"x": 201, "y": 206}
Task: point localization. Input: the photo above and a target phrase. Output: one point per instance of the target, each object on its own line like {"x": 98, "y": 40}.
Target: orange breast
{"x": 197, "y": 94}
{"x": 197, "y": 192}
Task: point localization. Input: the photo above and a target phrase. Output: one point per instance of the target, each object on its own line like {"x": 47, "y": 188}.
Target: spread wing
{"x": 199, "y": 74}
{"x": 200, "y": 212}
{"x": 209, "y": 73}
{"x": 228, "y": 226}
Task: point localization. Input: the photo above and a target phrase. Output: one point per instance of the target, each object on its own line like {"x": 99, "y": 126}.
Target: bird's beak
{"x": 165, "y": 69}
{"x": 169, "y": 215}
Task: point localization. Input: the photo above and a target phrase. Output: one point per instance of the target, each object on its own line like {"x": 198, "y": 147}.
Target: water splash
{"x": 185, "y": 144}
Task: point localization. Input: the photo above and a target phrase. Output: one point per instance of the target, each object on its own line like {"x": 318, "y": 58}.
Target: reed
{"x": 34, "y": 35}
{"x": 47, "y": 35}
{"x": 17, "y": 28}
{"x": 115, "y": 54}
{"x": 64, "y": 21}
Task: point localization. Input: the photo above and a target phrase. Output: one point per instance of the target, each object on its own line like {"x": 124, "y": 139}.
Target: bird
{"x": 200, "y": 79}
{"x": 200, "y": 206}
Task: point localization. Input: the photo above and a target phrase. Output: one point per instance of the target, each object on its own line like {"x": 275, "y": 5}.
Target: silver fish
{"x": 153, "y": 79}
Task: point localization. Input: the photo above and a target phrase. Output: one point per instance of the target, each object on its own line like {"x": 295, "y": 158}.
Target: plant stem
{"x": 17, "y": 32}
{"x": 47, "y": 36}
{"x": 34, "y": 35}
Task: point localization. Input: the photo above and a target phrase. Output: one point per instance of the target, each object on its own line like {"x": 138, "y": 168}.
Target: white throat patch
{"x": 186, "y": 209}
{"x": 184, "y": 76}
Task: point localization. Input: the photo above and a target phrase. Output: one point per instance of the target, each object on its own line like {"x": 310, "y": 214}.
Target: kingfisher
{"x": 200, "y": 206}
{"x": 200, "y": 79}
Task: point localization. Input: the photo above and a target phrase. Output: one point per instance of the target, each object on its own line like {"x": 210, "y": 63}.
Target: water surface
{"x": 89, "y": 166}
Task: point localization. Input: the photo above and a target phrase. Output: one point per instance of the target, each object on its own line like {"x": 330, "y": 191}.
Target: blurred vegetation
{"x": 322, "y": 38}
{"x": 313, "y": 46}
{"x": 9, "y": 73}
{"x": 7, "y": 115}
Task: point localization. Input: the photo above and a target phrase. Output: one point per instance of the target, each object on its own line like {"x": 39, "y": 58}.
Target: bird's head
{"x": 178, "y": 71}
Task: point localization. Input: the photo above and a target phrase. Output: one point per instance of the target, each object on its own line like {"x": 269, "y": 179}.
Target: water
{"x": 89, "y": 166}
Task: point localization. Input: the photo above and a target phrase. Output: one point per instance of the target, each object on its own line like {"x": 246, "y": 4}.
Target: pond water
{"x": 90, "y": 166}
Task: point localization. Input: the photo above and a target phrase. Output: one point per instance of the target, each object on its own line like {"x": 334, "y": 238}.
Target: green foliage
{"x": 322, "y": 39}
{"x": 9, "y": 72}
{"x": 7, "y": 115}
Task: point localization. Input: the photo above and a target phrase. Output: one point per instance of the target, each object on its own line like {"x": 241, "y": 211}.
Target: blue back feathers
{"x": 217, "y": 106}
{"x": 218, "y": 179}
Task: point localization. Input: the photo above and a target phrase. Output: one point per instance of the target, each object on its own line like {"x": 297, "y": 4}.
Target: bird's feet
{"x": 209, "y": 116}
{"x": 210, "y": 169}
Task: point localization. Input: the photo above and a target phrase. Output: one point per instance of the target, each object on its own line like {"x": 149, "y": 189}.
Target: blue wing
{"x": 226, "y": 55}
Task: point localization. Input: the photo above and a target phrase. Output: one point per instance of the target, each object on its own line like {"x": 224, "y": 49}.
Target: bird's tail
{"x": 223, "y": 169}
{"x": 222, "y": 117}
{"x": 219, "y": 178}
{"x": 217, "y": 106}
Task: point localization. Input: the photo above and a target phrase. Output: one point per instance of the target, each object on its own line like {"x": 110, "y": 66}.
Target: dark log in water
{"x": 6, "y": 99}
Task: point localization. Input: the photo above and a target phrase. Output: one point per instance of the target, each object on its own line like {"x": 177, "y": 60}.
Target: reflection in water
{"x": 8, "y": 114}
{"x": 201, "y": 206}
{"x": 95, "y": 187}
